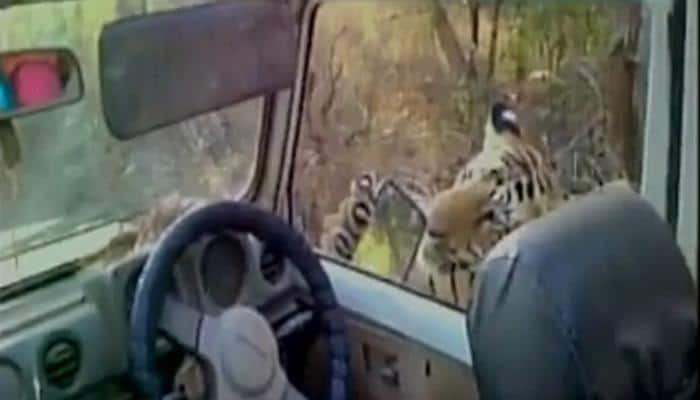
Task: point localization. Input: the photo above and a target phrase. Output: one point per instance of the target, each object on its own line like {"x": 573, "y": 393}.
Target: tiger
{"x": 507, "y": 184}
{"x": 465, "y": 221}
{"x": 343, "y": 230}
{"x": 363, "y": 210}
{"x": 528, "y": 182}
{"x": 462, "y": 224}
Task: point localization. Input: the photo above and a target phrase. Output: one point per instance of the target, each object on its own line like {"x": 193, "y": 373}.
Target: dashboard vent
{"x": 61, "y": 363}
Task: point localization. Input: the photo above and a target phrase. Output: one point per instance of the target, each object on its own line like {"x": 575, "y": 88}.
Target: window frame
{"x": 655, "y": 137}
{"x": 670, "y": 160}
{"x": 285, "y": 201}
{"x": 687, "y": 226}
{"x": 657, "y": 140}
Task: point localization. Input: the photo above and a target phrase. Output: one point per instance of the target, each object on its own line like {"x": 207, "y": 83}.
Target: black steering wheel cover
{"x": 152, "y": 286}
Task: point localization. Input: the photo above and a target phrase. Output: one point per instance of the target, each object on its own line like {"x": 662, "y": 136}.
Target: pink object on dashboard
{"x": 36, "y": 83}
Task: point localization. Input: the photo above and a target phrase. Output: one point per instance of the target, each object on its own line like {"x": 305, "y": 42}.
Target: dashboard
{"x": 69, "y": 335}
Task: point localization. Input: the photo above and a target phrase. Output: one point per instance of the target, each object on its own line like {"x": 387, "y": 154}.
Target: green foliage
{"x": 374, "y": 253}
{"x": 545, "y": 34}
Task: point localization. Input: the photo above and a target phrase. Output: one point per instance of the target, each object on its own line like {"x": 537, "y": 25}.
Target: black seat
{"x": 593, "y": 301}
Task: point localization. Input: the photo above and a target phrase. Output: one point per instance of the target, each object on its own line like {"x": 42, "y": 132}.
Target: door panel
{"x": 403, "y": 345}
{"x": 386, "y": 365}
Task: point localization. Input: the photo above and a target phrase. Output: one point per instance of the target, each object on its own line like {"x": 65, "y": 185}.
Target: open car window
{"x": 400, "y": 91}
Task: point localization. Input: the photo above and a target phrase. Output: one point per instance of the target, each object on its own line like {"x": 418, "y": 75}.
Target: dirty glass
{"x": 61, "y": 172}
{"x": 406, "y": 85}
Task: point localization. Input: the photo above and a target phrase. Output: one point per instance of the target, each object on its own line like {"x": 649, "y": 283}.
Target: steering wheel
{"x": 238, "y": 345}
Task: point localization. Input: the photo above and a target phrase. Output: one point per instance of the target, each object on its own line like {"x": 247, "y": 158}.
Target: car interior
{"x": 222, "y": 294}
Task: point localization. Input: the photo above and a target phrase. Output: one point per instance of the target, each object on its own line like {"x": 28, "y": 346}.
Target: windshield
{"x": 61, "y": 172}
{"x": 72, "y": 175}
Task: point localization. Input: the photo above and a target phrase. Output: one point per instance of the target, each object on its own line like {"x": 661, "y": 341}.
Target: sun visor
{"x": 164, "y": 68}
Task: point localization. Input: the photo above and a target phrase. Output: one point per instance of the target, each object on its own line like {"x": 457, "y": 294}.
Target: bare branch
{"x": 474, "y": 16}
{"x": 598, "y": 121}
{"x": 334, "y": 72}
{"x": 446, "y": 41}
{"x": 583, "y": 69}
{"x": 493, "y": 45}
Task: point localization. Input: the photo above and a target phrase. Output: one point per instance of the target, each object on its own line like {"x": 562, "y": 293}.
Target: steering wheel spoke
{"x": 209, "y": 340}
{"x": 182, "y": 323}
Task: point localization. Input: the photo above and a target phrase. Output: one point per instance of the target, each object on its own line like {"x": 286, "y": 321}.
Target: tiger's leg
{"x": 337, "y": 243}
{"x": 420, "y": 279}
{"x": 443, "y": 287}
{"x": 462, "y": 286}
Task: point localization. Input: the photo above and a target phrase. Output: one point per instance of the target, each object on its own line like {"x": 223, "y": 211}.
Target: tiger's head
{"x": 463, "y": 223}
{"x": 501, "y": 125}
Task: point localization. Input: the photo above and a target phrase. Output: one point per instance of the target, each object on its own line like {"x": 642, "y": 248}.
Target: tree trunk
{"x": 446, "y": 41}
{"x": 619, "y": 90}
{"x": 474, "y": 16}
{"x": 493, "y": 46}
{"x": 560, "y": 47}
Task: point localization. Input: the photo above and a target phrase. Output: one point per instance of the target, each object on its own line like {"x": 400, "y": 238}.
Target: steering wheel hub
{"x": 248, "y": 351}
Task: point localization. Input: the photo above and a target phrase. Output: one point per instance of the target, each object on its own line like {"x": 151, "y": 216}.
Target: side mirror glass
{"x": 390, "y": 244}
{"x": 36, "y": 80}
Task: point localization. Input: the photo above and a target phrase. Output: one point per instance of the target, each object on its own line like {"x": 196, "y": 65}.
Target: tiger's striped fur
{"x": 343, "y": 230}
{"x": 463, "y": 223}
{"x": 509, "y": 183}
{"x": 505, "y": 186}
{"x": 527, "y": 182}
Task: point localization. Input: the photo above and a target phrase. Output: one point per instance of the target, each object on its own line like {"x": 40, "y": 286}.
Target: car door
{"x": 401, "y": 90}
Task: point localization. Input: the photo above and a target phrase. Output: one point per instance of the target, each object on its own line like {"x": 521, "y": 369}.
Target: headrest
{"x": 591, "y": 301}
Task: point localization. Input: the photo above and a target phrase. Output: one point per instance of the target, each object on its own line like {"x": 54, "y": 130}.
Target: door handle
{"x": 389, "y": 374}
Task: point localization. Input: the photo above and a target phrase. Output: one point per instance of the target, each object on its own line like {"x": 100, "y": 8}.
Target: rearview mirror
{"x": 35, "y": 80}
{"x": 389, "y": 245}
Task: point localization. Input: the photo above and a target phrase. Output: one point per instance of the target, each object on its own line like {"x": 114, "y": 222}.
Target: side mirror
{"x": 36, "y": 80}
{"x": 390, "y": 244}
